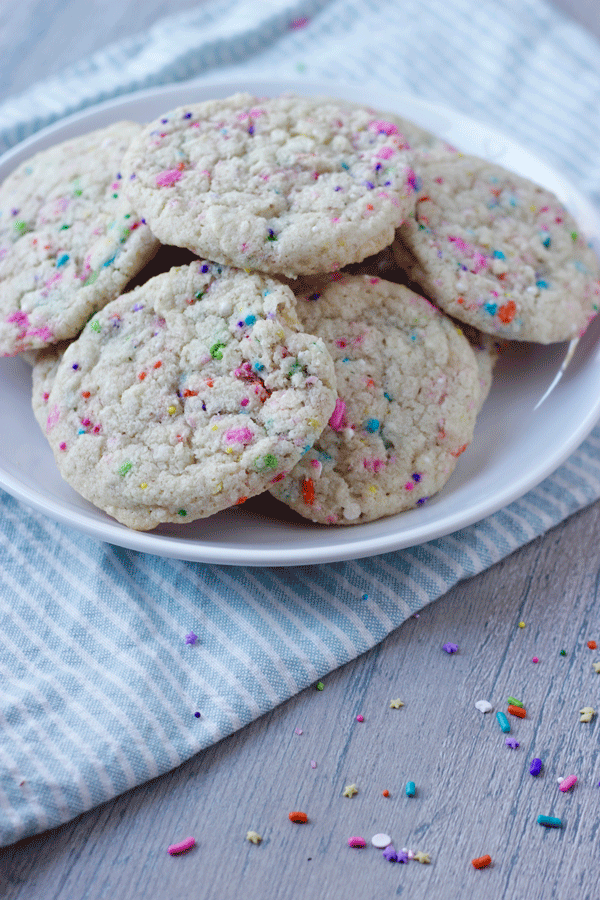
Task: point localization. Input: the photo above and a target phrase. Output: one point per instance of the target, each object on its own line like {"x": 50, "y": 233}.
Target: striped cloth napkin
{"x": 101, "y": 672}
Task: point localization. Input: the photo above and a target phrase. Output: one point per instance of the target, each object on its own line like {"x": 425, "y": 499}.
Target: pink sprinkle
{"x": 168, "y": 178}
{"x": 535, "y": 659}
{"x": 43, "y": 333}
{"x": 356, "y": 842}
{"x": 408, "y": 486}
{"x": 567, "y": 783}
{"x": 385, "y": 153}
{"x": 62, "y": 445}
{"x": 300, "y": 23}
{"x": 182, "y": 846}
{"x": 53, "y": 418}
{"x": 360, "y": 718}
{"x": 239, "y": 435}
{"x": 244, "y": 401}
{"x": 297, "y": 731}
{"x": 313, "y": 764}
{"x": 19, "y": 317}
{"x": 337, "y": 416}
{"x": 382, "y": 127}
{"x": 460, "y": 243}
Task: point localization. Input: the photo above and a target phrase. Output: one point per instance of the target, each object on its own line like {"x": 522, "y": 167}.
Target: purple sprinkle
{"x": 512, "y": 743}
{"x": 402, "y": 856}
{"x": 251, "y": 130}
{"x": 422, "y": 500}
{"x": 369, "y": 185}
{"x": 197, "y": 714}
{"x": 416, "y": 476}
{"x": 390, "y": 854}
{"x": 338, "y": 188}
{"x": 138, "y": 306}
{"x": 75, "y": 366}
{"x": 204, "y": 269}
{"x": 450, "y": 648}
{"x": 536, "y": 766}
{"x": 187, "y": 116}
{"x": 191, "y": 638}
{"x": 119, "y": 176}
{"x": 164, "y": 121}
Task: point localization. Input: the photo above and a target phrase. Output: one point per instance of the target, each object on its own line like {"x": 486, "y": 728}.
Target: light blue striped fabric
{"x": 99, "y": 687}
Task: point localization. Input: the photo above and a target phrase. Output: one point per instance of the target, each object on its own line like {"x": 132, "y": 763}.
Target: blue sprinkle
{"x": 345, "y": 166}
{"x": 372, "y": 425}
{"x": 498, "y": 254}
{"x": 250, "y": 320}
{"x": 109, "y": 262}
{"x": 546, "y": 240}
{"x": 541, "y": 283}
{"x": 62, "y": 260}
{"x": 503, "y": 722}
{"x": 491, "y": 308}
{"x": 258, "y": 366}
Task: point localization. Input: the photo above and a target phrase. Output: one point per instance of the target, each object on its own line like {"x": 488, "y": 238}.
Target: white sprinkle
{"x": 483, "y": 706}
{"x": 381, "y": 841}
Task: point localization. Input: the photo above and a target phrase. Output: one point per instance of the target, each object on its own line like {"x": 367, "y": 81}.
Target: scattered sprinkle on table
{"x": 549, "y": 821}
{"x": 297, "y": 731}
{"x": 535, "y": 659}
{"x": 586, "y": 714}
{"x": 300, "y": 818}
{"x": 422, "y": 857}
{"x": 253, "y": 837}
{"x": 521, "y": 624}
{"x": 483, "y": 706}
{"x": 396, "y": 704}
{"x": 320, "y": 685}
{"x": 503, "y": 722}
{"x": 360, "y": 718}
{"x": 567, "y": 783}
{"x": 411, "y": 789}
{"x": 385, "y": 793}
{"x": 313, "y": 764}
{"x": 535, "y": 767}
{"x": 450, "y": 648}
{"x": 592, "y": 645}
{"x": 563, "y": 653}
{"x": 512, "y": 701}
{"x": 197, "y": 715}
{"x": 482, "y": 861}
{"x": 390, "y": 854}
{"x": 182, "y": 846}
{"x": 518, "y": 711}
{"x": 381, "y": 840}
{"x": 596, "y": 667}
{"x": 350, "y": 790}
{"x": 512, "y": 743}
{"x": 191, "y": 638}
{"x": 357, "y": 841}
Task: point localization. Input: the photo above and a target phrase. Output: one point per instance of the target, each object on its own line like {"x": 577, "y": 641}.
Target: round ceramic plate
{"x": 534, "y": 417}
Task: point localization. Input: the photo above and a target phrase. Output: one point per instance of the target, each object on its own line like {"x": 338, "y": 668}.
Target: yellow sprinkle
{"x": 253, "y": 837}
{"x": 143, "y": 485}
{"x": 350, "y": 790}
{"x": 229, "y": 450}
{"x": 314, "y": 423}
{"x": 218, "y": 488}
{"x": 396, "y": 704}
{"x": 521, "y": 624}
{"x": 214, "y": 428}
{"x": 172, "y": 410}
{"x": 373, "y": 488}
{"x": 422, "y": 857}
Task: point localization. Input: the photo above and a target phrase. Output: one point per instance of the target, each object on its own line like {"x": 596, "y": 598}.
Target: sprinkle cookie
{"x": 290, "y": 185}
{"x": 500, "y": 253}
{"x": 408, "y": 386}
{"x": 69, "y": 240}
{"x": 188, "y": 395}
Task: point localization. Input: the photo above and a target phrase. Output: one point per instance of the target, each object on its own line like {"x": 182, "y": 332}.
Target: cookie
{"x": 188, "y": 395}
{"x": 69, "y": 239}
{"x": 408, "y": 386}
{"x": 290, "y": 185}
{"x": 44, "y": 366}
{"x": 499, "y": 252}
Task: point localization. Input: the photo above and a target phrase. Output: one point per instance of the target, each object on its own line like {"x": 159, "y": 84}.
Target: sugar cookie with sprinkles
{"x": 499, "y": 252}
{"x": 69, "y": 239}
{"x": 288, "y": 185}
{"x": 188, "y": 395}
{"x": 408, "y": 386}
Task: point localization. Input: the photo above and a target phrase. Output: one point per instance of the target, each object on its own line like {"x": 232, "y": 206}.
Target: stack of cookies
{"x": 331, "y": 338}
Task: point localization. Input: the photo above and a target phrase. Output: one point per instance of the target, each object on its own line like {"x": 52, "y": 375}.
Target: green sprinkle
{"x": 271, "y": 235}
{"x": 64, "y": 227}
{"x": 95, "y": 325}
{"x": 574, "y": 235}
{"x": 200, "y": 295}
{"x": 270, "y": 461}
{"x": 21, "y": 226}
{"x": 320, "y": 685}
{"x": 512, "y": 701}
{"x": 78, "y": 192}
{"x": 125, "y": 468}
{"x": 563, "y": 652}
{"x": 215, "y": 350}
{"x": 182, "y": 512}
{"x": 90, "y": 279}
{"x": 115, "y": 195}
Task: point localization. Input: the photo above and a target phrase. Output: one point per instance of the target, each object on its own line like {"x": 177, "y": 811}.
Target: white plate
{"x": 532, "y": 420}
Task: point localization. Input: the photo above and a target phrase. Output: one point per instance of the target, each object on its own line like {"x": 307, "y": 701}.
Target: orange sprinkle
{"x": 308, "y": 491}
{"x": 299, "y": 818}
{"x": 141, "y": 376}
{"x": 370, "y": 206}
{"x": 86, "y": 394}
{"x": 481, "y": 862}
{"x": 241, "y": 500}
{"x": 517, "y": 711}
{"x": 592, "y": 645}
{"x": 158, "y": 364}
{"x": 507, "y": 311}
{"x": 385, "y": 793}
{"x": 460, "y": 299}
{"x": 209, "y": 382}
{"x": 460, "y": 450}
{"x": 188, "y": 393}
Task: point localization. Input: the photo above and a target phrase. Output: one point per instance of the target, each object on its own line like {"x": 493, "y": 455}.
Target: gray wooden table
{"x": 474, "y": 795}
